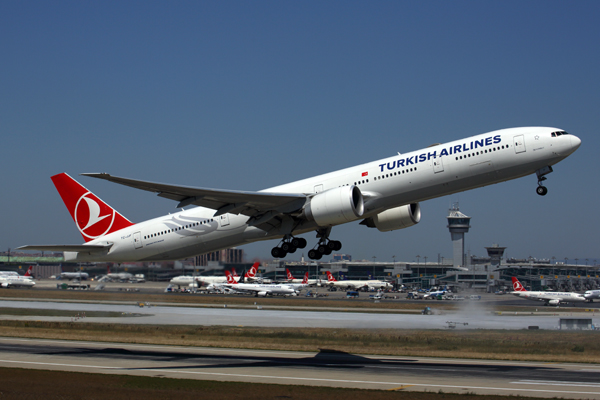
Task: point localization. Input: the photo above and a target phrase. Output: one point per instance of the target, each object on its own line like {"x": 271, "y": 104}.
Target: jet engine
{"x": 335, "y": 206}
{"x": 395, "y": 218}
{"x": 554, "y": 302}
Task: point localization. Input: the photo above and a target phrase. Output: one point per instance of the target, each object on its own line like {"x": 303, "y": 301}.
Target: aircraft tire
{"x": 541, "y": 190}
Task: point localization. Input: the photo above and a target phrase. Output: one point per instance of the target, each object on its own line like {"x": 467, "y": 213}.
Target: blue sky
{"x": 249, "y": 95}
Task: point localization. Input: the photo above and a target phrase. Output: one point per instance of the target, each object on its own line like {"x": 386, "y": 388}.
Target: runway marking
{"x": 399, "y": 388}
{"x": 557, "y": 383}
{"x": 279, "y": 378}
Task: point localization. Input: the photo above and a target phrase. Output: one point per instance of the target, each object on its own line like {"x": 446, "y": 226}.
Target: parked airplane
{"x": 435, "y": 293}
{"x": 357, "y": 284}
{"x": 257, "y": 288}
{"x": 382, "y": 194}
{"x": 28, "y": 273}
{"x": 8, "y": 281}
{"x": 199, "y": 280}
{"x": 550, "y": 298}
{"x": 298, "y": 286}
{"x": 291, "y": 279}
{"x": 590, "y": 295}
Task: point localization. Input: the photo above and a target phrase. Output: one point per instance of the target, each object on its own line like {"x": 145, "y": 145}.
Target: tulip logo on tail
{"x": 93, "y": 218}
{"x": 252, "y": 271}
{"x": 230, "y": 279}
{"x": 289, "y": 274}
{"x": 305, "y": 280}
{"x": 330, "y": 277}
{"x": 517, "y": 286}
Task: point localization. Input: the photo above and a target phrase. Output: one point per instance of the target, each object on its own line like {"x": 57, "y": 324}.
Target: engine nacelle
{"x": 335, "y": 206}
{"x": 395, "y": 218}
{"x": 554, "y": 302}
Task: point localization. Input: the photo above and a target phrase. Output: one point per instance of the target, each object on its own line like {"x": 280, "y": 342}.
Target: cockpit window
{"x": 559, "y": 133}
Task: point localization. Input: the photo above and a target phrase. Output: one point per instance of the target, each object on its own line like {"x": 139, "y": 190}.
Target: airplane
{"x": 550, "y": 298}
{"x": 435, "y": 293}
{"x": 590, "y": 295}
{"x": 185, "y": 280}
{"x": 297, "y": 286}
{"x": 291, "y": 279}
{"x": 28, "y": 273}
{"x": 356, "y": 284}
{"x": 8, "y": 281}
{"x": 383, "y": 194}
{"x": 257, "y": 288}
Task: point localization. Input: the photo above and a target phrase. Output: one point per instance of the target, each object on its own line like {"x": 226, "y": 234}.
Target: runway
{"x": 470, "y": 317}
{"x": 319, "y": 369}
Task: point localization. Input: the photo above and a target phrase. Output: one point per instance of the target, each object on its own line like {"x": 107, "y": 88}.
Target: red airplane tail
{"x": 289, "y": 274}
{"x": 305, "y": 280}
{"x": 235, "y": 275}
{"x": 29, "y": 271}
{"x": 518, "y": 286}
{"x": 253, "y": 270}
{"x": 93, "y": 217}
{"x": 230, "y": 279}
{"x": 330, "y": 277}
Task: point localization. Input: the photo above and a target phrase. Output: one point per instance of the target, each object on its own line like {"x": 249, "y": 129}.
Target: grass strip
{"x": 524, "y": 345}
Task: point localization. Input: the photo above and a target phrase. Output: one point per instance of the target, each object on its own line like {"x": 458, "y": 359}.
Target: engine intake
{"x": 395, "y": 218}
{"x": 335, "y": 206}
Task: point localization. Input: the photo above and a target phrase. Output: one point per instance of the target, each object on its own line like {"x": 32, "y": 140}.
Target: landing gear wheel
{"x": 337, "y": 245}
{"x": 278, "y": 252}
{"x": 299, "y": 243}
{"x": 541, "y": 190}
{"x": 314, "y": 254}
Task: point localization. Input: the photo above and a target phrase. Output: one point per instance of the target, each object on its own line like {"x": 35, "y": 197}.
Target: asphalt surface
{"x": 472, "y": 316}
{"x": 325, "y": 368}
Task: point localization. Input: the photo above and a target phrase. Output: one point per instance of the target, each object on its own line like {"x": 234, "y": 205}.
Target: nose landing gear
{"x": 541, "y": 189}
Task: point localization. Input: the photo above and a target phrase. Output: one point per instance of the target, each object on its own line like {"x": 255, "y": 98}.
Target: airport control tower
{"x": 458, "y": 223}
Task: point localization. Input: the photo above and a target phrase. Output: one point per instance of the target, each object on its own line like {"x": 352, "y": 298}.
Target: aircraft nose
{"x": 575, "y": 142}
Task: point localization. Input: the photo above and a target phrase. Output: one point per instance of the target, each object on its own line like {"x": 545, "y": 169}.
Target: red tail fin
{"x": 518, "y": 286}
{"x": 235, "y": 275}
{"x": 253, "y": 270}
{"x": 230, "y": 279}
{"x": 305, "y": 280}
{"x": 330, "y": 277}
{"x": 93, "y": 217}
{"x": 29, "y": 271}
{"x": 289, "y": 274}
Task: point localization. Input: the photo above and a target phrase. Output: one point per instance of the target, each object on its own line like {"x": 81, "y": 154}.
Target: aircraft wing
{"x": 252, "y": 204}
{"x": 83, "y": 248}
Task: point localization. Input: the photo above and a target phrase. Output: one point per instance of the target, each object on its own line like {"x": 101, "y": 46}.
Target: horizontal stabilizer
{"x": 79, "y": 248}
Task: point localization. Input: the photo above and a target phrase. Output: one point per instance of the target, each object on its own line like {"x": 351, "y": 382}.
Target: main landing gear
{"x": 541, "y": 189}
{"x": 288, "y": 245}
{"x": 324, "y": 247}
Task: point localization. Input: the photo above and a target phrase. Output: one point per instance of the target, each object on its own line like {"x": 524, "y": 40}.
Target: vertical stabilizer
{"x": 93, "y": 217}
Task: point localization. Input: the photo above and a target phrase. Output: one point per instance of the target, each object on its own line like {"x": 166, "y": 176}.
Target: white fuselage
{"x": 391, "y": 182}
{"x": 16, "y": 281}
{"x": 551, "y": 297}
{"x": 590, "y": 295}
{"x": 262, "y": 289}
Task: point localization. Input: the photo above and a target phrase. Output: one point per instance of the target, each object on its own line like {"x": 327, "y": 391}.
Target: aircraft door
{"x": 438, "y": 165}
{"x": 519, "y": 142}
{"x": 224, "y": 219}
{"x": 318, "y": 188}
{"x": 137, "y": 240}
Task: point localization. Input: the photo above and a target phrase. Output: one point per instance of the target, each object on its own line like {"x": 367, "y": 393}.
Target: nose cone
{"x": 575, "y": 142}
